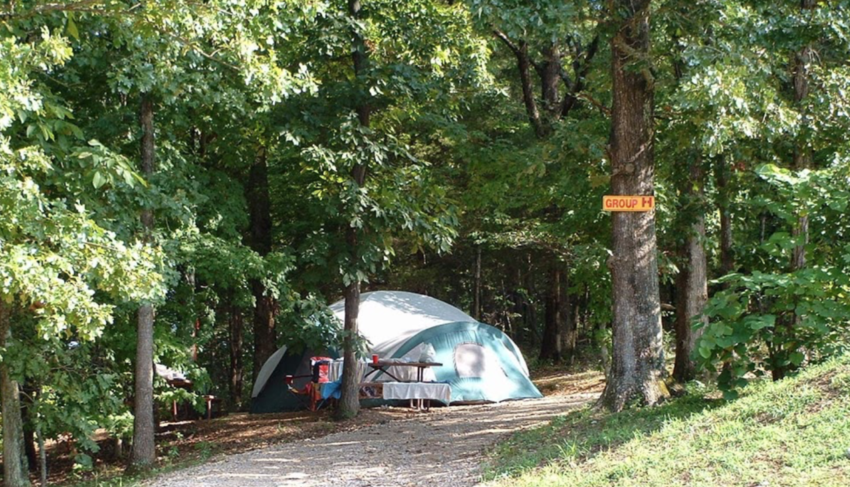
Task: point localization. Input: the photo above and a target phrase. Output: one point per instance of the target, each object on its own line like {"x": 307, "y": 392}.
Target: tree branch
{"x": 524, "y": 66}
{"x": 593, "y": 101}
{"x": 581, "y": 69}
{"x": 504, "y": 38}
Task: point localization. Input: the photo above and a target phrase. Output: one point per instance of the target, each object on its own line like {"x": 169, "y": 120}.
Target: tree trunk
{"x": 42, "y": 458}
{"x": 265, "y": 336}
{"x": 15, "y": 471}
{"x": 524, "y": 66}
{"x": 196, "y": 331}
{"x": 727, "y": 258}
{"x": 637, "y": 367}
{"x": 568, "y": 316}
{"x": 349, "y": 403}
{"x": 802, "y": 153}
{"x": 260, "y": 240}
{"x": 692, "y": 282}
{"x": 29, "y": 444}
{"x": 143, "y": 454}
{"x": 29, "y": 424}
{"x": 476, "y": 305}
{"x": 553, "y": 330}
{"x": 236, "y": 368}
{"x": 802, "y": 161}
{"x": 550, "y": 80}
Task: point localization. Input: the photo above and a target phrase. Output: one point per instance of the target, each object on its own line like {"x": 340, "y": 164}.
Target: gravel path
{"x": 440, "y": 448}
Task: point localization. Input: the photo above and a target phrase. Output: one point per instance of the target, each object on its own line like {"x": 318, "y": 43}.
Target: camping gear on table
{"x": 428, "y": 353}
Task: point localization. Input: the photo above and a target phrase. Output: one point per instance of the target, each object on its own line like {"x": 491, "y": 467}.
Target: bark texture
{"x": 637, "y": 363}
{"x": 802, "y": 153}
{"x": 550, "y": 79}
{"x": 15, "y": 471}
{"x": 552, "y": 345}
{"x": 143, "y": 454}
{"x": 692, "y": 281}
{"x": 569, "y": 315}
{"x": 260, "y": 240}
{"x": 42, "y": 459}
{"x": 349, "y": 403}
{"x": 727, "y": 258}
{"x": 237, "y": 326}
{"x": 29, "y": 425}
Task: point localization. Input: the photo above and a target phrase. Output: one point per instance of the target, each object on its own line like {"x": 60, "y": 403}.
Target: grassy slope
{"x": 792, "y": 433}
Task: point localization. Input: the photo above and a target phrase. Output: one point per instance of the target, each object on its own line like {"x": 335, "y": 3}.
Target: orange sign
{"x": 628, "y": 203}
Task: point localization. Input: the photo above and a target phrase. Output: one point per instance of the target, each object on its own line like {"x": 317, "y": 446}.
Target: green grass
{"x": 791, "y": 433}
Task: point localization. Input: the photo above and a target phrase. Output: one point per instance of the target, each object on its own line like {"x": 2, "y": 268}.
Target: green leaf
{"x": 72, "y": 28}
{"x": 98, "y": 180}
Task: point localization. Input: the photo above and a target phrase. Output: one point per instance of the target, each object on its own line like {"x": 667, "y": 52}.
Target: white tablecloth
{"x": 418, "y": 390}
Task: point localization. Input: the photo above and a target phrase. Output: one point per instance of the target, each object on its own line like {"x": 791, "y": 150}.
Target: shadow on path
{"x": 440, "y": 448}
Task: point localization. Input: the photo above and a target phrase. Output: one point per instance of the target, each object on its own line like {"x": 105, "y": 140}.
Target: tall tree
{"x": 350, "y": 402}
{"x": 59, "y": 192}
{"x": 554, "y": 327}
{"x": 803, "y": 60}
{"x": 637, "y": 367}
{"x": 143, "y": 454}
{"x": 236, "y": 367}
{"x": 724, "y": 193}
{"x": 689, "y": 179}
{"x": 260, "y": 240}
{"x": 60, "y": 272}
{"x": 562, "y": 67}
{"x": 692, "y": 281}
{"x": 476, "y": 288}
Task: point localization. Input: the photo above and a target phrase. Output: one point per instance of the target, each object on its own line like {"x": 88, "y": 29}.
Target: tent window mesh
{"x": 473, "y": 360}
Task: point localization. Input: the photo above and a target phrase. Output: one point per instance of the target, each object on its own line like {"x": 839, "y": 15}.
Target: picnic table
{"x": 417, "y": 391}
{"x": 385, "y": 365}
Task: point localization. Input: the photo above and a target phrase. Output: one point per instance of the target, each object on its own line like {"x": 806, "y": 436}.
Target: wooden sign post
{"x": 628, "y": 203}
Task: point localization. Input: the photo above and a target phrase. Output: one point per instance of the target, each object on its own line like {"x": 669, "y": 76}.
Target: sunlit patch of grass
{"x": 791, "y": 433}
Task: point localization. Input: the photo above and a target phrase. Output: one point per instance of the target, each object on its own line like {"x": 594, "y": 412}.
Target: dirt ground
{"x": 442, "y": 447}
{"x": 381, "y": 447}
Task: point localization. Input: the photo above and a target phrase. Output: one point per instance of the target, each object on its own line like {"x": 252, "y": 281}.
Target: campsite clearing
{"x": 443, "y": 447}
{"x": 186, "y": 449}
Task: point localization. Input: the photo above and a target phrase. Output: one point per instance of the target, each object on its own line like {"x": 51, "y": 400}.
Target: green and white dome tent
{"x": 481, "y": 363}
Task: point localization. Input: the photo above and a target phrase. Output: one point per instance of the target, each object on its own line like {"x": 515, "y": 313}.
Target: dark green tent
{"x": 271, "y": 394}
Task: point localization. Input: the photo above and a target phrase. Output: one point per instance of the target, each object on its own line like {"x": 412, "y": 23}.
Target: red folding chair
{"x": 320, "y": 367}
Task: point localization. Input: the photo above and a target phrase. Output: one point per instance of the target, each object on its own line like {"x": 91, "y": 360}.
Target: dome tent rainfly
{"x": 479, "y": 361}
